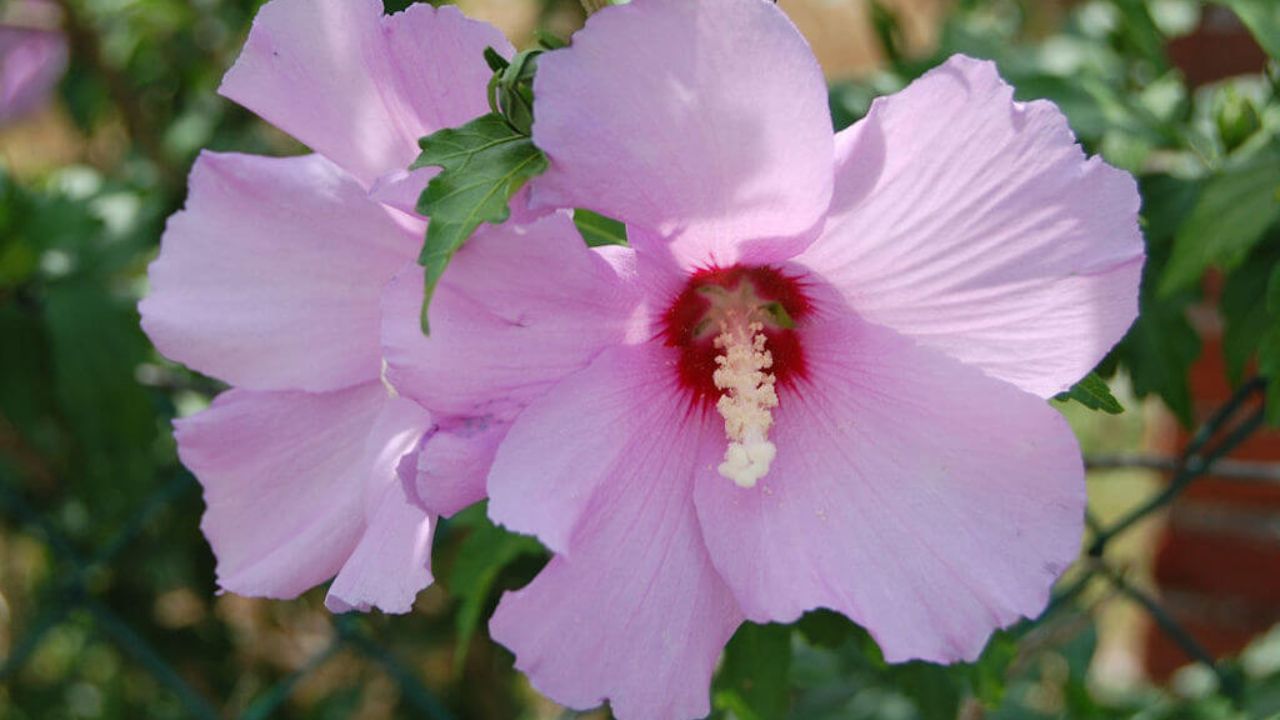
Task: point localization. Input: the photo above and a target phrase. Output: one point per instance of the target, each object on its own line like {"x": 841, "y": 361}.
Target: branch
{"x": 1228, "y": 684}
{"x": 1246, "y": 471}
{"x": 1195, "y": 459}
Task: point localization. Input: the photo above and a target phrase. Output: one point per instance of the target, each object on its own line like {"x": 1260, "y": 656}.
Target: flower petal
{"x": 723, "y": 137}
{"x": 360, "y": 87}
{"x": 636, "y": 614}
{"x": 518, "y": 308}
{"x": 392, "y": 561}
{"x": 451, "y": 464}
{"x": 619, "y": 422}
{"x": 400, "y": 189}
{"x": 271, "y": 278}
{"x": 976, "y": 225}
{"x": 284, "y": 483}
{"x": 924, "y": 499}
{"x": 31, "y": 63}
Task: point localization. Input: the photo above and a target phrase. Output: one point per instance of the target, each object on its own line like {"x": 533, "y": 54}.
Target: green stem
{"x": 1253, "y": 472}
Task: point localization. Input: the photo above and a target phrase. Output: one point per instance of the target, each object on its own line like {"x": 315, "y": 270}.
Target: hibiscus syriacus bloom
{"x": 32, "y": 60}
{"x": 271, "y": 279}
{"x": 818, "y": 376}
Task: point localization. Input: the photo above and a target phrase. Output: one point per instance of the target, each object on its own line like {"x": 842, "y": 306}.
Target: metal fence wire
{"x": 74, "y": 595}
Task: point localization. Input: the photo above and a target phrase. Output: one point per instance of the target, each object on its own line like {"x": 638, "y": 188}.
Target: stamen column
{"x": 748, "y": 400}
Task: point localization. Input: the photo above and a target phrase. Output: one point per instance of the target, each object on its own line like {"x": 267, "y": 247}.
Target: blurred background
{"x": 107, "y": 603}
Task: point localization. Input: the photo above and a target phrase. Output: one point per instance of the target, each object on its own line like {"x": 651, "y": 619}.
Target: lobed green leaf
{"x": 483, "y": 164}
{"x": 1093, "y": 393}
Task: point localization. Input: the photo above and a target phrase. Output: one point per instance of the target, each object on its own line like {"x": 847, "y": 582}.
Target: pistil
{"x": 743, "y": 375}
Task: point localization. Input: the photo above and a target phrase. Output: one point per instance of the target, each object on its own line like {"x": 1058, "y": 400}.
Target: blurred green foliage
{"x": 107, "y": 600}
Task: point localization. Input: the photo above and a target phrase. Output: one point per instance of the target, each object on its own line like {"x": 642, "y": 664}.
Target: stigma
{"x": 743, "y": 375}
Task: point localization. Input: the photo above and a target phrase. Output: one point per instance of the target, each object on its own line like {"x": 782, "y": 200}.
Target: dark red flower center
{"x": 761, "y": 294}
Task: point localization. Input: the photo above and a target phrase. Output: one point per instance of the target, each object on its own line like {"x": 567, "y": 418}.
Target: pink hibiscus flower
{"x": 271, "y": 279}
{"x": 32, "y": 58}
{"x": 818, "y": 376}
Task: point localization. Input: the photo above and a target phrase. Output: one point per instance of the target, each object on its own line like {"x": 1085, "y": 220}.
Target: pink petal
{"x": 284, "y": 482}
{"x": 518, "y": 308}
{"x": 271, "y": 278}
{"x": 720, "y": 133}
{"x": 927, "y": 501}
{"x": 635, "y": 614}
{"x": 392, "y": 562}
{"x": 452, "y": 463}
{"x": 619, "y": 422}
{"x": 401, "y": 188}
{"x": 976, "y": 225}
{"x": 32, "y": 62}
{"x": 360, "y": 87}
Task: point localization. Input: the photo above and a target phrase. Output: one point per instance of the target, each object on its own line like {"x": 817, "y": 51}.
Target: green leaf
{"x": 1158, "y": 352}
{"x": 1273, "y": 291}
{"x": 1161, "y": 346}
{"x": 1093, "y": 393}
{"x": 484, "y": 163}
{"x": 1166, "y": 203}
{"x": 1269, "y": 367}
{"x": 495, "y": 61}
{"x": 988, "y": 676}
{"x": 888, "y": 31}
{"x": 599, "y": 230}
{"x": 1233, "y": 212}
{"x": 26, "y": 388}
{"x": 391, "y": 7}
{"x": 18, "y": 257}
{"x": 96, "y": 346}
{"x": 753, "y": 679}
{"x": 1138, "y": 33}
{"x": 935, "y": 689}
{"x": 481, "y": 558}
{"x": 826, "y": 628}
{"x": 1262, "y": 17}
{"x": 1086, "y": 114}
{"x": 1269, "y": 347}
{"x": 1246, "y": 309}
